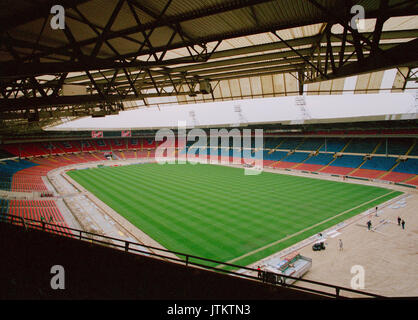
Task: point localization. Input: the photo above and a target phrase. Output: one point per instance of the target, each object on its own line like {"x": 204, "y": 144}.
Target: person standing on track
{"x": 340, "y": 244}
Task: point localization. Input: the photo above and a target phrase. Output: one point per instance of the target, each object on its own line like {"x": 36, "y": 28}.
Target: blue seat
{"x": 379, "y": 163}
{"x": 348, "y": 161}
{"x": 311, "y": 144}
{"x": 321, "y": 159}
{"x": 362, "y": 145}
{"x": 408, "y": 166}
{"x": 334, "y": 144}
{"x": 8, "y": 168}
{"x": 296, "y": 157}
{"x": 396, "y": 146}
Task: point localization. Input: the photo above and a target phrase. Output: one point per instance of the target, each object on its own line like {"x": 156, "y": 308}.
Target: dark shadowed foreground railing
{"x": 320, "y": 288}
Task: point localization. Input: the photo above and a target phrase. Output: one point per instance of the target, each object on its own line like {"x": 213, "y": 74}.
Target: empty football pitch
{"x": 219, "y": 213}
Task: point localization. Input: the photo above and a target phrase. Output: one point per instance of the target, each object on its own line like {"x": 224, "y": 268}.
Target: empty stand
{"x": 334, "y": 144}
{"x": 311, "y": 144}
{"x": 296, "y": 157}
{"x": 37, "y": 209}
{"x": 362, "y": 145}
{"x": 290, "y": 143}
{"x": 408, "y": 166}
{"x": 347, "y": 161}
{"x": 23, "y": 175}
{"x": 395, "y": 146}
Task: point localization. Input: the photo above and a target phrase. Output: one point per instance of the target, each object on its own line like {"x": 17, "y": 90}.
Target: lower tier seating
{"x": 45, "y": 210}
{"x": 367, "y": 173}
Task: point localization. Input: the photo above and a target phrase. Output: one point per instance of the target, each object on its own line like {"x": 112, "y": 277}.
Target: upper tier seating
{"x": 362, "y": 145}
{"x": 311, "y": 144}
{"x": 102, "y": 145}
{"x": 148, "y": 143}
{"x": 5, "y": 154}
{"x": 395, "y": 146}
{"x": 134, "y": 143}
{"x": 290, "y": 143}
{"x": 85, "y": 145}
{"x": 271, "y": 143}
{"x": 333, "y": 144}
{"x": 117, "y": 144}
{"x": 414, "y": 151}
{"x": 68, "y": 146}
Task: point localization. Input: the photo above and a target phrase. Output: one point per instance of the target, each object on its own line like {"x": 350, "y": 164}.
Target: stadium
{"x": 209, "y": 149}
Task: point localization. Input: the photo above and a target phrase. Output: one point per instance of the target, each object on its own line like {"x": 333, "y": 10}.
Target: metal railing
{"x": 188, "y": 259}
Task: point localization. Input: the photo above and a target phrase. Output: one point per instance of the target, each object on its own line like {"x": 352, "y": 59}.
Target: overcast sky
{"x": 261, "y": 110}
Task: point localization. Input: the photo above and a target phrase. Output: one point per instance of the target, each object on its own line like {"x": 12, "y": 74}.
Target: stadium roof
{"x": 121, "y": 54}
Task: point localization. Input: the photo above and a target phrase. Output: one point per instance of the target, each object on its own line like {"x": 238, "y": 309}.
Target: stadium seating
{"x": 5, "y": 154}
{"x": 347, "y": 161}
{"x": 35, "y": 209}
{"x": 4, "y": 206}
{"x": 362, "y": 145}
{"x": 101, "y": 145}
{"x": 334, "y": 144}
{"x": 395, "y": 146}
{"x": 413, "y": 181}
{"x": 408, "y": 166}
{"x": 134, "y": 144}
{"x": 414, "y": 151}
{"x": 271, "y": 143}
{"x": 8, "y": 168}
{"x": 397, "y": 176}
{"x": 130, "y": 154}
{"x": 311, "y": 144}
{"x": 321, "y": 159}
{"x": 290, "y": 143}
{"x": 379, "y": 163}
{"x": 284, "y": 165}
{"x": 367, "y": 173}
{"x": 86, "y": 145}
{"x": 67, "y": 147}
{"x": 26, "y": 175}
{"x": 337, "y": 170}
{"x": 117, "y": 144}
{"x": 148, "y": 143}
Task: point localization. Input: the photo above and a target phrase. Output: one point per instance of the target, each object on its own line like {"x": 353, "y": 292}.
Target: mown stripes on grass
{"x": 218, "y": 212}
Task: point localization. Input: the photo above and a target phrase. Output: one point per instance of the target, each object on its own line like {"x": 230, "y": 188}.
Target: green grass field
{"x": 219, "y": 213}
